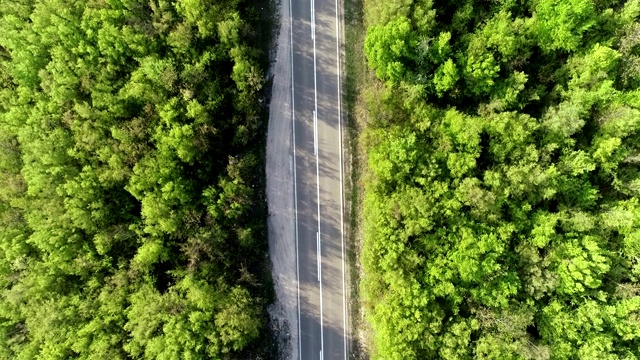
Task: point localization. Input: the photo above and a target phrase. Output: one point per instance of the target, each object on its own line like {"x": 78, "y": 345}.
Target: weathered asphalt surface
{"x": 318, "y": 179}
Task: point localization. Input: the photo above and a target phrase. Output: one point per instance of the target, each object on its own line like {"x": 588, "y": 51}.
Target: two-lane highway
{"x": 317, "y": 139}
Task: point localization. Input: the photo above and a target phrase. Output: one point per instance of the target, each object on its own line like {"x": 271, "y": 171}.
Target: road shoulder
{"x": 280, "y": 196}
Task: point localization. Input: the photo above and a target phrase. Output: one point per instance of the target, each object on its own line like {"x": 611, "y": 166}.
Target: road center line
{"x": 315, "y": 98}
{"x": 319, "y": 260}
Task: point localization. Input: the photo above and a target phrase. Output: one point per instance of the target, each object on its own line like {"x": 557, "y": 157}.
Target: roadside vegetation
{"x": 502, "y": 185}
{"x": 132, "y": 214}
{"x": 359, "y": 81}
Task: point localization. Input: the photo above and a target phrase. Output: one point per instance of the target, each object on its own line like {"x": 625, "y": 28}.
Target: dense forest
{"x": 502, "y": 196}
{"x": 132, "y": 215}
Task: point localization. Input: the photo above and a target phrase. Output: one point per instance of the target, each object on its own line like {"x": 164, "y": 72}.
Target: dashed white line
{"x": 313, "y": 20}
{"x": 315, "y": 98}
{"x": 315, "y": 133}
{"x": 319, "y": 259}
{"x": 318, "y": 177}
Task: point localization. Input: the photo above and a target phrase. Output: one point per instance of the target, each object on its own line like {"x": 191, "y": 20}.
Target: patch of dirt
{"x": 280, "y": 195}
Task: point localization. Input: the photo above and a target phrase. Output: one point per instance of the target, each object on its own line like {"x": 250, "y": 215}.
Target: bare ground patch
{"x": 280, "y": 196}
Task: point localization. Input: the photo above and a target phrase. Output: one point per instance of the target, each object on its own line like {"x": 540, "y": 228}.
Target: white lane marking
{"x": 315, "y": 133}
{"x": 321, "y": 357}
{"x": 315, "y": 98}
{"x": 318, "y": 254}
{"x": 313, "y": 20}
{"x": 344, "y": 295}
{"x": 295, "y": 186}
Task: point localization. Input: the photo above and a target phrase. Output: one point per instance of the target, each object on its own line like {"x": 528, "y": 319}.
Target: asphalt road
{"x": 318, "y": 179}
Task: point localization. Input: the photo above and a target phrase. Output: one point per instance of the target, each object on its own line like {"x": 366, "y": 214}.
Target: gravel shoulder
{"x": 280, "y": 195}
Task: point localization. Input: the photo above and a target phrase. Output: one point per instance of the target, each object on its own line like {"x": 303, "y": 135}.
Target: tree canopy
{"x": 502, "y": 197}
{"x": 132, "y": 215}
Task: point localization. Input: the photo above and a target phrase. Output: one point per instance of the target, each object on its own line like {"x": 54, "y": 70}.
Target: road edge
{"x": 279, "y": 191}
{"x": 345, "y": 175}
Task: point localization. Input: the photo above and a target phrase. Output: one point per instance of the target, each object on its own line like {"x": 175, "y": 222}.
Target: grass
{"x": 359, "y": 80}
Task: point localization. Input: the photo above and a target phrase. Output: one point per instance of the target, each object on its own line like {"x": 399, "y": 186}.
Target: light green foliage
{"x": 382, "y": 12}
{"x": 238, "y": 320}
{"x": 150, "y": 253}
{"x": 500, "y": 41}
{"x": 446, "y": 77}
{"x": 388, "y": 46}
{"x": 115, "y": 117}
{"x": 560, "y": 24}
{"x": 501, "y": 209}
{"x": 505, "y": 35}
{"x": 423, "y": 16}
{"x": 481, "y": 68}
{"x": 598, "y": 65}
{"x": 440, "y": 48}
{"x": 580, "y": 265}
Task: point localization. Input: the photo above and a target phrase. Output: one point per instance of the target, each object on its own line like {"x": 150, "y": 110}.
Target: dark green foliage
{"x": 131, "y": 206}
{"x": 502, "y": 208}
